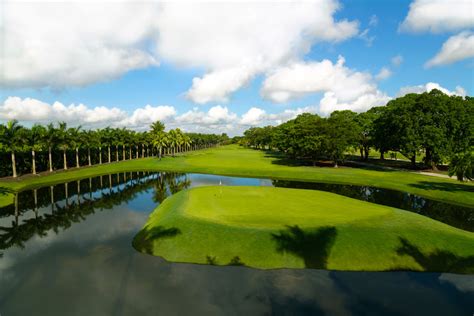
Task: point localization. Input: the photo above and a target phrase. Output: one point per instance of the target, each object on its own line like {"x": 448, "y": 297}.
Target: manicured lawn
{"x": 269, "y": 227}
{"x": 236, "y": 161}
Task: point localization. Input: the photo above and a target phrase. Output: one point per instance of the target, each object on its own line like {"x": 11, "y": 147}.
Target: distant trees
{"x": 46, "y": 148}
{"x": 433, "y": 125}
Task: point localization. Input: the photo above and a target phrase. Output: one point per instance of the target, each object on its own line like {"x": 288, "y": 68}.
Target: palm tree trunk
{"x": 160, "y": 152}
{"x": 14, "y": 165}
{"x": 65, "y": 160}
{"x": 52, "y": 198}
{"x": 143, "y": 151}
{"x": 89, "y": 156}
{"x": 77, "y": 157}
{"x": 16, "y": 209}
{"x": 136, "y": 149}
{"x": 110, "y": 156}
{"x": 130, "y": 153}
{"x": 33, "y": 158}
{"x": 50, "y": 160}
{"x": 66, "y": 191}
{"x": 123, "y": 152}
{"x": 100, "y": 155}
{"x": 116, "y": 153}
{"x": 35, "y": 195}
{"x": 78, "y": 195}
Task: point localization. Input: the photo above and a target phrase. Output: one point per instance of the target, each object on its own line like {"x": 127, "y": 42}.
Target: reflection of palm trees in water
{"x": 76, "y": 209}
{"x": 168, "y": 184}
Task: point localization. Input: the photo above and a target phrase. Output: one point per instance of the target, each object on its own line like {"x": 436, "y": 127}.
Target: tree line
{"x": 56, "y": 146}
{"x": 432, "y": 125}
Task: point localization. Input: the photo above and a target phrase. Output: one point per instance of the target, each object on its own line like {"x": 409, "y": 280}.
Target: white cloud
{"x": 253, "y": 116}
{"x": 428, "y": 87}
{"x": 142, "y": 117}
{"x": 397, "y": 60}
{"x": 344, "y": 88}
{"x": 235, "y": 42}
{"x": 439, "y": 16}
{"x": 33, "y": 110}
{"x": 216, "y": 115}
{"x": 456, "y": 48}
{"x": 217, "y": 85}
{"x": 69, "y": 43}
{"x": 383, "y": 74}
{"x": 330, "y": 102}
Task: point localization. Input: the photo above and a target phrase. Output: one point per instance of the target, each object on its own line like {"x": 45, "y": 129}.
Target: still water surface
{"x": 74, "y": 257}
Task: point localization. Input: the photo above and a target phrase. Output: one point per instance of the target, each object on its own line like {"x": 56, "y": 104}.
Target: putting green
{"x": 268, "y": 227}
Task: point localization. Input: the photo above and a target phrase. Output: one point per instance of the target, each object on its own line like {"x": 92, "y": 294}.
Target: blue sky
{"x": 164, "y": 77}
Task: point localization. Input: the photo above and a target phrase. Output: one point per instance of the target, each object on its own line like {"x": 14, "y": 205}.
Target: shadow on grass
{"x": 5, "y": 191}
{"x": 437, "y": 261}
{"x": 443, "y": 186}
{"x": 236, "y": 262}
{"x": 313, "y": 246}
{"x": 145, "y": 239}
{"x": 280, "y": 159}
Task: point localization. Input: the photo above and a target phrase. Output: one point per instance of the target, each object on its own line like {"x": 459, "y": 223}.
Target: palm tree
{"x": 10, "y": 137}
{"x": 160, "y": 141}
{"x": 173, "y": 141}
{"x": 34, "y": 139}
{"x": 116, "y": 141}
{"x": 100, "y": 141}
{"x": 186, "y": 142}
{"x": 89, "y": 139}
{"x": 180, "y": 139}
{"x": 75, "y": 139}
{"x": 64, "y": 141}
{"x": 50, "y": 140}
{"x": 107, "y": 136}
{"x": 157, "y": 127}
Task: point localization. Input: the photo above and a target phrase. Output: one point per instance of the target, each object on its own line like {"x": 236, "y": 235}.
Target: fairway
{"x": 233, "y": 160}
{"x": 267, "y": 227}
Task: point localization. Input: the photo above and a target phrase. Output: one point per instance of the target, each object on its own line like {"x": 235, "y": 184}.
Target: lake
{"x": 66, "y": 249}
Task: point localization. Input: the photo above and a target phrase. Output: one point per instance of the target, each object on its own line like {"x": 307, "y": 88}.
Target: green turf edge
{"x": 240, "y": 162}
{"x": 366, "y": 245}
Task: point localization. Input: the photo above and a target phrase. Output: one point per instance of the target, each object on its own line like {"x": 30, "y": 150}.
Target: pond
{"x": 66, "y": 249}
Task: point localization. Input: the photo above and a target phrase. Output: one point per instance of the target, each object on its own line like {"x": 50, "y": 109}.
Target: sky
{"x": 225, "y": 66}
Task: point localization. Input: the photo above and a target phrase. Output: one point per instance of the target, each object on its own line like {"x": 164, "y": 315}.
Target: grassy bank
{"x": 268, "y": 227}
{"x": 235, "y": 161}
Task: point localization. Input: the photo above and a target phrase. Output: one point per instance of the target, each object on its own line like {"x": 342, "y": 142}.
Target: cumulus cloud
{"x": 430, "y": 86}
{"x": 456, "y": 48}
{"x": 143, "y": 117}
{"x": 343, "y": 88}
{"x": 216, "y": 115}
{"x": 383, "y": 74}
{"x": 235, "y": 42}
{"x": 71, "y": 43}
{"x": 50, "y": 45}
{"x": 253, "y": 116}
{"x": 439, "y": 16}
{"x": 32, "y": 110}
{"x": 217, "y": 85}
{"x": 217, "y": 119}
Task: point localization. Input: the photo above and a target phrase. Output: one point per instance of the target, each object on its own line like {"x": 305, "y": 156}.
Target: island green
{"x": 267, "y": 227}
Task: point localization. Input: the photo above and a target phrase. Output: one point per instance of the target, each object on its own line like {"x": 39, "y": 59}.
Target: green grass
{"x": 235, "y": 161}
{"x": 267, "y": 227}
